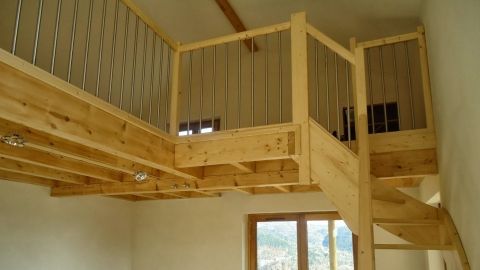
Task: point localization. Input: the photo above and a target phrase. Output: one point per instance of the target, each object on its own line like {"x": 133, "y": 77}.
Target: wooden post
{"x": 366, "y": 256}
{"x": 332, "y": 245}
{"x": 300, "y": 91}
{"x": 427, "y": 94}
{"x": 175, "y": 92}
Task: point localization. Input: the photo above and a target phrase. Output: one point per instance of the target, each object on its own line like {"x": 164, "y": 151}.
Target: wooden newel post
{"x": 300, "y": 91}
{"x": 366, "y": 255}
{"x": 175, "y": 92}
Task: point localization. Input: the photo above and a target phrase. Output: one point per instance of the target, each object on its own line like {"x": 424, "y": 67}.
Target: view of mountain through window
{"x": 277, "y": 245}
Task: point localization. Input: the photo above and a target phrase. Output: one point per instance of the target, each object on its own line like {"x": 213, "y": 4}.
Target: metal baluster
{"x": 134, "y": 67}
{"x": 87, "y": 44}
{"x": 17, "y": 23}
{"x": 397, "y": 92}
{"x": 112, "y": 59}
{"x": 37, "y": 32}
{"x": 152, "y": 74}
{"x": 317, "y": 84}
{"x": 189, "y": 93}
{"x": 72, "y": 41}
{"x": 382, "y": 73}
{"x": 125, "y": 39}
{"x": 266, "y": 79}
{"x": 280, "y": 79}
{"x": 144, "y": 63}
{"x": 225, "y": 120}
{"x": 214, "y": 79}
{"x": 253, "y": 83}
{"x": 160, "y": 77}
{"x": 336, "y": 96}
{"x": 239, "y": 82}
{"x": 55, "y": 38}
{"x": 202, "y": 73}
{"x": 412, "y": 108}
{"x": 370, "y": 86}
{"x": 327, "y": 87}
{"x": 347, "y": 76}
{"x": 100, "y": 53}
{"x": 167, "y": 85}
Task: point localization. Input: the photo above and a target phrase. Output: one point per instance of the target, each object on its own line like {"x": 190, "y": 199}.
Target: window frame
{"x": 302, "y": 234}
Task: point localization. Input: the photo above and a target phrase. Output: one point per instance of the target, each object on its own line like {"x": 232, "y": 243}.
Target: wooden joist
{"x": 210, "y": 183}
{"x": 414, "y": 247}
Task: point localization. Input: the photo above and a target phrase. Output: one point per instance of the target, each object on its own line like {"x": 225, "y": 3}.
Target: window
{"x": 378, "y": 118}
{"x": 194, "y": 127}
{"x": 300, "y": 241}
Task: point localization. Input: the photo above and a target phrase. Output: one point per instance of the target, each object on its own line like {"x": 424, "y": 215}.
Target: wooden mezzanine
{"x": 78, "y": 144}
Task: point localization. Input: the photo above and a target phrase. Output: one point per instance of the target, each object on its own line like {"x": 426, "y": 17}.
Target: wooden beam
{"x": 424, "y": 70}
{"x": 237, "y": 147}
{"x": 28, "y": 179}
{"x": 300, "y": 90}
{"x": 330, "y": 43}
{"x": 236, "y": 22}
{"x": 57, "y": 162}
{"x": 211, "y": 183}
{"x": 36, "y": 99}
{"x": 415, "y": 163}
{"x": 366, "y": 255}
{"x": 18, "y": 167}
{"x": 388, "y": 40}
{"x": 248, "y": 167}
{"x": 235, "y": 37}
{"x": 284, "y": 189}
{"x": 149, "y": 21}
{"x": 413, "y": 247}
{"x": 175, "y": 95}
{"x": 455, "y": 238}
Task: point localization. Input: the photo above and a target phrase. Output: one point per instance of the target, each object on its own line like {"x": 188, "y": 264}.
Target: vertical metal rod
{"x": 125, "y": 39}
{"x": 370, "y": 86}
{"x": 214, "y": 79}
{"x": 37, "y": 32}
{"x": 72, "y": 41}
{"x": 144, "y": 63}
{"x": 266, "y": 79}
{"x": 167, "y": 84}
{"x": 202, "y": 73}
{"x": 134, "y": 67}
{"x": 412, "y": 109}
{"x": 280, "y": 79}
{"x": 100, "y": 53}
{"x": 253, "y": 84}
{"x": 160, "y": 77}
{"x": 189, "y": 108}
{"x": 349, "y": 133}
{"x": 17, "y": 23}
{"x": 55, "y": 38}
{"x": 327, "y": 85}
{"x": 225, "y": 120}
{"x": 382, "y": 73}
{"x": 152, "y": 74}
{"x": 239, "y": 93}
{"x": 112, "y": 59}
{"x": 337, "y": 90}
{"x": 397, "y": 92}
{"x": 317, "y": 86}
{"x": 87, "y": 44}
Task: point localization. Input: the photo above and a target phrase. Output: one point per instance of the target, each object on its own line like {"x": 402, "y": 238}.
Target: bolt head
{"x": 141, "y": 176}
{"x": 13, "y": 140}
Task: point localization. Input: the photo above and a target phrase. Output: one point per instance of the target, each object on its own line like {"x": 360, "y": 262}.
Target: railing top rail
{"x": 389, "y": 40}
{"x": 148, "y": 21}
{"x": 235, "y": 37}
{"x": 330, "y": 43}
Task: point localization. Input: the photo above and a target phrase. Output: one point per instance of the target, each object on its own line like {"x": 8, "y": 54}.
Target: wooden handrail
{"x": 235, "y": 37}
{"x": 388, "y": 40}
{"x": 330, "y": 43}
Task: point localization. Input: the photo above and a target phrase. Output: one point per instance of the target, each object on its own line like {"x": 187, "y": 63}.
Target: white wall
{"x": 40, "y": 232}
{"x": 453, "y": 35}
{"x": 211, "y": 233}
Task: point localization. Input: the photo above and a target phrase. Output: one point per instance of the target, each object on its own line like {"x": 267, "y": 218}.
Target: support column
{"x": 300, "y": 91}
{"x": 175, "y": 92}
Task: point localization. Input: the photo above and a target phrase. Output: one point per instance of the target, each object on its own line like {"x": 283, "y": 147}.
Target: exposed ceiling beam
{"x": 236, "y": 22}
